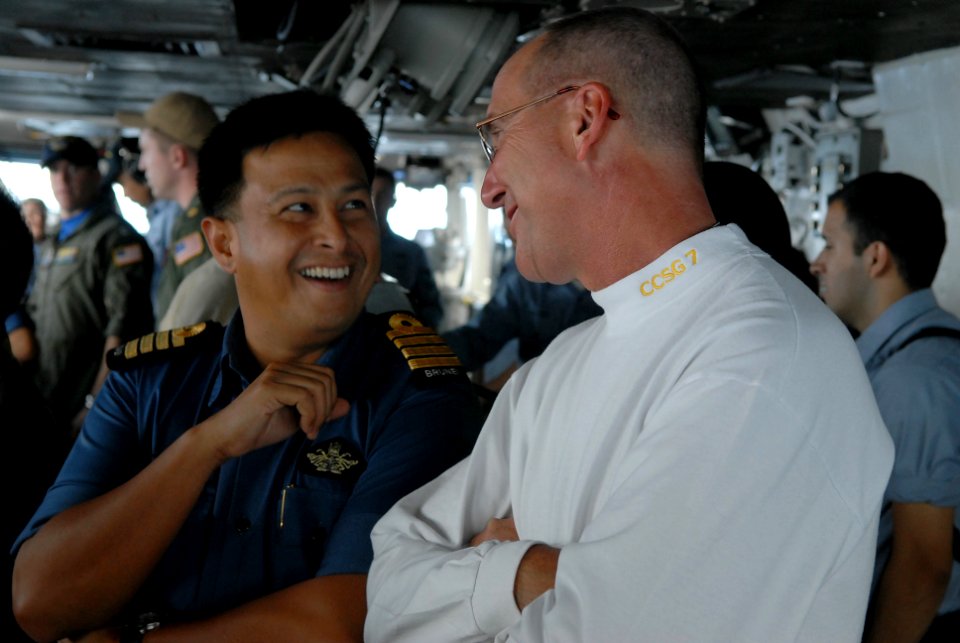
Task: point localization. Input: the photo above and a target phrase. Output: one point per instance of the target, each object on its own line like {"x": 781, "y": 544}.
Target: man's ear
{"x": 221, "y": 237}
{"x": 593, "y": 106}
{"x": 879, "y": 259}
{"x": 179, "y": 156}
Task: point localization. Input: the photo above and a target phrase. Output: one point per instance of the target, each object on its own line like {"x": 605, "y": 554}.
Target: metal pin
{"x": 283, "y": 502}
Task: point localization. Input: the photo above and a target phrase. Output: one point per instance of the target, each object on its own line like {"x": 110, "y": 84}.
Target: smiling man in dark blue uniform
{"x": 225, "y": 483}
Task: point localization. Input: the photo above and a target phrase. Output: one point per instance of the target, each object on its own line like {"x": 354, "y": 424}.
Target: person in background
{"x": 739, "y": 195}
{"x": 18, "y": 325}
{"x": 683, "y": 467}
{"x": 206, "y": 294}
{"x": 34, "y": 212}
{"x": 172, "y": 131}
{"x": 92, "y": 287}
{"x": 884, "y": 235}
{"x": 123, "y": 162}
{"x": 226, "y": 480}
{"x": 531, "y": 313}
{"x": 32, "y": 447}
{"x": 402, "y": 259}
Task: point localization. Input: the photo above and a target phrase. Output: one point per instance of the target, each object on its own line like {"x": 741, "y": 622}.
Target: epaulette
{"x": 426, "y": 353}
{"x": 162, "y": 345}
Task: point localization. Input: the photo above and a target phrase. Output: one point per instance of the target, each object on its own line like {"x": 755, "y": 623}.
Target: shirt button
{"x": 242, "y": 525}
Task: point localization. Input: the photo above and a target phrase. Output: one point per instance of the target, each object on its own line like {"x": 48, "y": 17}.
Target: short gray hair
{"x": 644, "y": 62}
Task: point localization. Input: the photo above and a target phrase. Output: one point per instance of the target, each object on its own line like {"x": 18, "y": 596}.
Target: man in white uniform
{"x": 703, "y": 462}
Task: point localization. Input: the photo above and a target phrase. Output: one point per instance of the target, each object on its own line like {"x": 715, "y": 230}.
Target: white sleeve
{"x": 426, "y": 584}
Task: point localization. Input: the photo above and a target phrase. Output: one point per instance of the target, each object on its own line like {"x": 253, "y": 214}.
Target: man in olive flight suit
{"x": 92, "y": 288}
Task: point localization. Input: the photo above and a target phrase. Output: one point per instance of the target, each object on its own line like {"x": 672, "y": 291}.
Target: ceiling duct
{"x": 429, "y": 59}
{"x": 718, "y": 10}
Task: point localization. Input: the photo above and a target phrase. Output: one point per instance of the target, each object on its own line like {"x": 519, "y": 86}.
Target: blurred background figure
{"x": 34, "y": 212}
{"x": 402, "y": 259}
{"x": 122, "y": 168}
{"x": 739, "y": 195}
{"x": 206, "y": 294}
{"x": 171, "y": 132}
{"x": 92, "y": 287}
{"x": 517, "y": 324}
{"x": 31, "y": 445}
{"x": 884, "y": 237}
{"x": 19, "y": 327}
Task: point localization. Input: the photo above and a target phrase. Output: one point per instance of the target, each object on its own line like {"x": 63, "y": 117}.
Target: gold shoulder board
{"x": 424, "y": 350}
{"x": 159, "y": 345}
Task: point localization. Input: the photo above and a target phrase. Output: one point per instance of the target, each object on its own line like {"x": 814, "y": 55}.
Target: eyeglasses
{"x": 483, "y": 127}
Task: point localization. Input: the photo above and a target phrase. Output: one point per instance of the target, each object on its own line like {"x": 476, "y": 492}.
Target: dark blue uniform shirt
{"x": 290, "y": 511}
{"x": 406, "y": 261}
{"x": 533, "y": 313}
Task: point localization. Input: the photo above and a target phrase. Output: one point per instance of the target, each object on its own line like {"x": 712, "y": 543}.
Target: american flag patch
{"x": 188, "y": 247}
{"x": 126, "y": 255}
{"x": 66, "y": 255}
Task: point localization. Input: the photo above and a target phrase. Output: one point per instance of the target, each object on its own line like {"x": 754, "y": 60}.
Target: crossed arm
{"x": 537, "y": 572}
{"x": 77, "y": 573}
{"x": 667, "y": 553}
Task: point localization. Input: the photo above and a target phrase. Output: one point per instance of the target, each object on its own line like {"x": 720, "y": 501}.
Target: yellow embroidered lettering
{"x": 676, "y": 268}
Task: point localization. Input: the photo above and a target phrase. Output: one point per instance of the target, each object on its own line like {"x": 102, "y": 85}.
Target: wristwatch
{"x": 135, "y": 631}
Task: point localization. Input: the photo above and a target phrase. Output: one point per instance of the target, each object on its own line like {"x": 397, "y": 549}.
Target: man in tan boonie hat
{"x": 172, "y": 130}
{"x": 186, "y": 118}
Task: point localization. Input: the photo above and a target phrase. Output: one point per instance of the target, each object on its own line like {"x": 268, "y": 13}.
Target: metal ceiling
{"x": 70, "y": 65}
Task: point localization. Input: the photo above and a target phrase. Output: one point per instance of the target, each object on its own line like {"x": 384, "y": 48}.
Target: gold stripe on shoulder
{"x": 400, "y": 342}
{"x": 420, "y": 351}
{"x": 432, "y": 362}
{"x": 146, "y": 343}
{"x": 412, "y": 330}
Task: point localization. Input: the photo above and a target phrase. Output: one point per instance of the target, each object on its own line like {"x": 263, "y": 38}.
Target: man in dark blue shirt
{"x": 533, "y": 313}
{"x": 226, "y": 482}
{"x": 402, "y": 259}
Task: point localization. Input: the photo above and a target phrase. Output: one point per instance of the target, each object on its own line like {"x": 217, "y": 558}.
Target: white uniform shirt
{"x": 708, "y": 454}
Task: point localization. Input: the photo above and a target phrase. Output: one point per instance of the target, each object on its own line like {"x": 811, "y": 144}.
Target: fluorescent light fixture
{"x": 17, "y": 66}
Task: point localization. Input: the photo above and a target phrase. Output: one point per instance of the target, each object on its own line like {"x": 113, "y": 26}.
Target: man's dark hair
{"x": 642, "y": 59}
{"x": 739, "y": 195}
{"x": 902, "y": 212}
{"x": 265, "y": 120}
{"x": 16, "y": 251}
